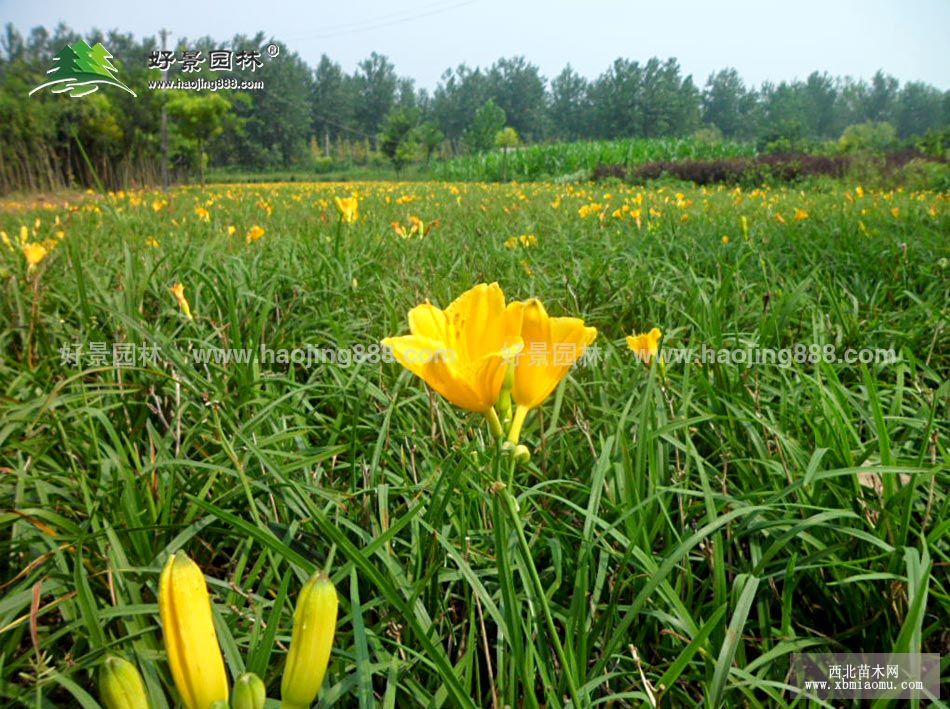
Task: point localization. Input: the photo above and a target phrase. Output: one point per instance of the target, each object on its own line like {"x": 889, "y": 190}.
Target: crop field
{"x": 535, "y": 162}
{"x": 202, "y": 371}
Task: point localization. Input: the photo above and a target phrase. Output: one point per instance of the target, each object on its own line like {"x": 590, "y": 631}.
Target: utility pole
{"x": 164, "y": 35}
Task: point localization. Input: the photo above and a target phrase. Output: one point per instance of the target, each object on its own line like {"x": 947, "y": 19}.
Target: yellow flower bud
{"x": 120, "y": 685}
{"x": 310, "y": 643}
{"x": 191, "y": 642}
{"x": 249, "y": 692}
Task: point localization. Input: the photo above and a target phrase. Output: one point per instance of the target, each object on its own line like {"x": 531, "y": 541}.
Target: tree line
{"x": 305, "y": 114}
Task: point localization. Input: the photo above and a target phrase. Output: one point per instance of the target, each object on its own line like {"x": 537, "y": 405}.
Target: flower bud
{"x": 522, "y": 454}
{"x": 249, "y": 692}
{"x": 191, "y": 642}
{"x": 310, "y": 643}
{"x": 120, "y": 685}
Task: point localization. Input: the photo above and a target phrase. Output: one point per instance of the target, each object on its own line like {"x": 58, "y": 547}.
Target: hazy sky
{"x": 763, "y": 40}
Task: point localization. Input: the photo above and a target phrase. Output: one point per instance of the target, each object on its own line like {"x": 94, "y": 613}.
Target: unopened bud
{"x": 249, "y": 692}
{"x": 121, "y": 686}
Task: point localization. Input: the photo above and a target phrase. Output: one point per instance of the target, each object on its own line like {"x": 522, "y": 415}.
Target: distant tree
{"x": 881, "y": 97}
{"x": 616, "y": 95}
{"x": 517, "y": 87}
{"x": 729, "y": 105}
{"x": 507, "y": 138}
{"x": 396, "y": 139}
{"x": 569, "y": 106}
{"x": 375, "y": 84}
{"x": 199, "y": 118}
{"x": 868, "y": 136}
{"x": 405, "y": 96}
{"x": 918, "y": 109}
{"x": 820, "y": 100}
{"x": 459, "y": 94}
{"x": 670, "y": 103}
{"x": 332, "y": 100}
{"x": 488, "y": 120}
{"x": 282, "y": 110}
{"x": 785, "y": 116}
{"x": 429, "y": 138}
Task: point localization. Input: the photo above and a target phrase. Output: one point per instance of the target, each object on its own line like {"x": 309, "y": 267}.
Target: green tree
{"x": 332, "y": 100}
{"x": 199, "y": 118}
{"x": 729, "y": 105}
{"x": 517, "y": 87}
{"x": 397, "y": 140}
{"x": 869, "y": 136}
{"x": 569, "y": 105}
{"x": 918, "y": 109}
{"x": 488, "y": 120}
{"x": 375, "y": 84}
{"x": 429, "y": 138}
{"x": 460, "y": 93}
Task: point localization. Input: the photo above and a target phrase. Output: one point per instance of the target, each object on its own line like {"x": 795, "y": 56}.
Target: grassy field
{"x": 680, "y": 529}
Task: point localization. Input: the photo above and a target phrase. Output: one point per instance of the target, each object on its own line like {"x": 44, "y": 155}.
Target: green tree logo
{"x": 78, "y": 70}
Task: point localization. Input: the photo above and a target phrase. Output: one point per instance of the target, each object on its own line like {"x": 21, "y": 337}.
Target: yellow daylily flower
{"x": 462, "y": 352}
{"x": 646, "y": 345}
{"x": 348, "y": 207}
{"x": 310, "y": 643}
{"x": 551, "y": 347}
{"x": 800, "y": 215}
{"x": 191, "y": 642}
{"x": 34, "y": 253}
{"x": 400, "y": 231}
{"x": 254, "y": 233}
{"x": 178, "y": 290}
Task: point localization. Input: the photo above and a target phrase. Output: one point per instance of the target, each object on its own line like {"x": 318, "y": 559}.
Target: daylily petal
{"x": 426, "y": 320}
{"x": 551, "y": 348}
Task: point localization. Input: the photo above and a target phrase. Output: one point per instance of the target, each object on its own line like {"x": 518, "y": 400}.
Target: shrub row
{"x": 761, "y": 169}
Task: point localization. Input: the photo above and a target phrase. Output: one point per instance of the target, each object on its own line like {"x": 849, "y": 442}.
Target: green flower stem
{"x": 336, "y": 240}
{"x": 511, "y": 506}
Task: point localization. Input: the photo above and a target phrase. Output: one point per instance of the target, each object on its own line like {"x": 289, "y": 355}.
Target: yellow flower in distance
{"x": 551, "y": 347}
{"x": 800, "y": 215}
{"x": 191, "y": 642}
{"x": 34, "y": 253}
{"x": 254, "y": 233}
{"x": 310, "y": 643}
{"x": 462, "y": 352}
{"x": 645, "y": 346}
{"x": 178, "y": 290}
{"x": 348, "y": 207}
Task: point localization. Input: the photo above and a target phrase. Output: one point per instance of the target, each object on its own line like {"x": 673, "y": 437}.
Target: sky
{"x": 764, "y": 41}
